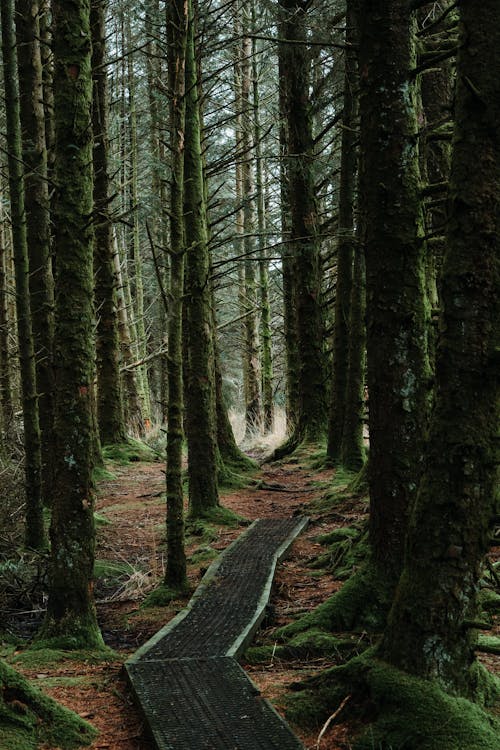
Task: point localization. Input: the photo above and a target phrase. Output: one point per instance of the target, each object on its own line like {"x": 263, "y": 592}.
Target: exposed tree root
{"x": 361, "y": 604}
{"x": 29, "y": 718}
{"x": 398, "y": 711}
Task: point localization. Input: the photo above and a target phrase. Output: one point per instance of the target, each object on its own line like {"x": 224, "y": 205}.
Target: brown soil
{"x": 133, "y": 503}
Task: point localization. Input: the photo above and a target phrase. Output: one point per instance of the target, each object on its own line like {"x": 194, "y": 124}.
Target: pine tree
{"x": 70, "y": 617}
{"x": 35, "y": 536}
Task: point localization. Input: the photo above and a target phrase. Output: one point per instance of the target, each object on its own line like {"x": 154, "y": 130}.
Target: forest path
{"x": 130, "y": 543}
{"x": 192, "y": 692}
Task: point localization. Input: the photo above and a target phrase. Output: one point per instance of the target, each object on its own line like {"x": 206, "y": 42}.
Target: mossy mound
{"x": 163, "y": 595}
{"x": 489, "y": 601}
{"x": 348, "y": 548}
{"x": 29, "y": 718}
{"x": 39, "y": 655}
{"x": 401, "y": 712}
{"x": 361, "y": 604}
{"x": 488, "y": 644}
{"x": 218, "y": 516}
{"x": 131, "y": 451}
{"x": 312, "y": 643}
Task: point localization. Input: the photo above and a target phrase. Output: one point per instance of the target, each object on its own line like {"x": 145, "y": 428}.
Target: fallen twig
{"x": 330, "y": 719}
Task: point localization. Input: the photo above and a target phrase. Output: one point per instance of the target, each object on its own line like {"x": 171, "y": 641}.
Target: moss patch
{"x": 488, "y": 644}
{"x": 215, "y": 516}
{"x": 131, "y": 451}
{"x": 29, "y": 718}
{"x": 401, "y": 712}
{"x": 361, "y": 604}
{"x": 163, "y": 595}
{"x": 39, "y": 655}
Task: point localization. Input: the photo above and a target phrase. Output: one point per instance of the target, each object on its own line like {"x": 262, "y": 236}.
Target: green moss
{"x": 338, "y": 535}
{"x": 131, "y": 451}
{"x": 361, "y": 604}
{"x": 100, "y": 474}
{"x": 203, "y": 554}
{"x": 488, "y": 644}
{"x": 29, "y": 718}
{"x": 100, "y": 520}
{"x": 489, "y": 600}
{"x": 403, "y": 712}
{"x": 164, "y": 595}
{"x": 262, "y": 654}
{"x": 217, "y": 515}
{"x": 348, "y": 550}
{"x": 39, "y": 655}
{"x": 315, "y": 642}
{"x": 231, "y": 479}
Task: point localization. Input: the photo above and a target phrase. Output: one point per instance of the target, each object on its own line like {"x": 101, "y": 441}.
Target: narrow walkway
{"x": 187, "y": 682}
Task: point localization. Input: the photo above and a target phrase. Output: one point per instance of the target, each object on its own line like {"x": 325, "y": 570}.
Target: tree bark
{"x": 304, "y": 244}
{"x": 109, "y": 395}
{"x": 175, "y": 576}
{"x": 396, "y": 307}
{"x": 36, "y": 186}
{"x": 200, "y": 389}
{"x": 34, "y": 534}
{"x": 342, "y": 336}
{"x": 428, "y": 633}
{"x": 70, "y": 617}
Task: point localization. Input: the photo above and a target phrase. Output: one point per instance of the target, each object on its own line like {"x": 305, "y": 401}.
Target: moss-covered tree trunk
{"x": 200, "y": 389}
{"x": 396, "y": 313}
{"x": 289, "y": 306}
{"x": 436, "y": 86}
{"x": 304, "y": 243}
{"x": 266, "y": 356}
{"x": 428, "y": 634}
{"x": 346, "y": 242}
{"x": 136, "y": 281}
{"x": 253, "y": 402}
{"x": 109, "y": 395}
{"x": 175, "y": 576}
{"x": 70, "y": 616}
{"x": 37, "y": 223}
{"x": 34, "y": 535}
{"x": 131, "y": 402}
{"x": 6, "y": 404}
{"x": 352, "y": 453}
{"x": 45, "y": 20}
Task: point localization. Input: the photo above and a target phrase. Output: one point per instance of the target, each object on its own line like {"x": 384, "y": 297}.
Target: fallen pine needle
{"x": 330, "y": 719}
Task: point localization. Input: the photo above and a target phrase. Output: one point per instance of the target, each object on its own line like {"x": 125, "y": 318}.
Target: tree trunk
{"x": 109, "y": 396}
{"x": 6, "y": 404}
{"x": 70, "y": 618}
{"x": 342, "y": 336}
{"x": 253, "y": 403}
{"x": 200, "y": 390}
{"x": 266, "y": 357}
{"x": 396, "y": 310}
{"x": 35, "y": 536}
{"x": 37, "y": 224}
{"x": 175, "y": 576}
{"x": 135, "y": 247}
{"x": 131, "y": 401}
{"x": 304, "y": 244}
{"x": 428, "y": 634}
{"x": 352, "y": 454}
{"x": 436, "y": 87}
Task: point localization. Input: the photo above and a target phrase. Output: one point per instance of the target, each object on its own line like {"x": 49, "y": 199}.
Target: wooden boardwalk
{"x": 186, "y": 680}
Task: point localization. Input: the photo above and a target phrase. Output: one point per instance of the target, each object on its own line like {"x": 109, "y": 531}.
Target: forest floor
{"x": 130, "y": 563}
